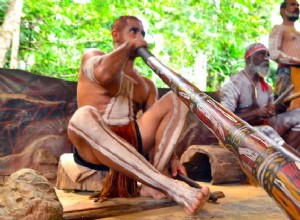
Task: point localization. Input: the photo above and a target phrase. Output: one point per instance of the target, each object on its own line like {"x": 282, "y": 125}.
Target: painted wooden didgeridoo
{"x": 272, "y": 166}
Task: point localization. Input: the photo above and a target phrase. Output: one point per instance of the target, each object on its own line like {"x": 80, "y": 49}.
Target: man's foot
{"x": 147, "y": 191}
{"x": 193, "y": 199}
{"x": 199, "y": 201}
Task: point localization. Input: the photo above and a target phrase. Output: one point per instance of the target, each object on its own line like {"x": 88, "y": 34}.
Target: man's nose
{"x": 139, "y": 35}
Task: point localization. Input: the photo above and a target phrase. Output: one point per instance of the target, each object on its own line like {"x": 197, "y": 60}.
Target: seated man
{"x": 251, "y": 98}
{"x": 106, "y": 132}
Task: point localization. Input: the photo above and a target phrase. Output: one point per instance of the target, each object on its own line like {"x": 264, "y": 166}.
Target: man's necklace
{"x": 254, "y": 86}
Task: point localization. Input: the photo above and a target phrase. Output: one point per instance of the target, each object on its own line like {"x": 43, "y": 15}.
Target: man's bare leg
{"x": 166, "y": 138}
{"x": 169, "y": 132}
{"x": 85, "y": 127}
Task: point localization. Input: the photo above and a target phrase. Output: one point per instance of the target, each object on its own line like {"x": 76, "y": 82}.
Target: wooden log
{"x": 72, "y": 176}
{"x": 222, "y": 164}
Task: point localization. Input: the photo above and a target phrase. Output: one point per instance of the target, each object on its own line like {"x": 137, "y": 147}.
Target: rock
{"x": 29, "y": 195}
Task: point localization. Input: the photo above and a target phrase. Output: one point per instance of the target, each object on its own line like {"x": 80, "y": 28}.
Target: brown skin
{"x": 154, "y": 119}
{"x": 292, "y": 7}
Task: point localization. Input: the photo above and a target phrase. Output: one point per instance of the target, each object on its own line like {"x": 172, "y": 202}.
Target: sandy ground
{"x": 240, "y": 202}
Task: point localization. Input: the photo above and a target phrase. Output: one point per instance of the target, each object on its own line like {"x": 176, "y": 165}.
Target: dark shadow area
{"x": 199, "y": 168}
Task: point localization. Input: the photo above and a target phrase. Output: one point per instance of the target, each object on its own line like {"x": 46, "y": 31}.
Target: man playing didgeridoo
{"x": 106, "y": 132}
{"x": 284, "y": 47}
{"x": 251, "y": 98}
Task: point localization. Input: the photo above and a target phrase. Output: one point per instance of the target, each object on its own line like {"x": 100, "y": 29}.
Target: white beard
{"x": 261, "y": 70}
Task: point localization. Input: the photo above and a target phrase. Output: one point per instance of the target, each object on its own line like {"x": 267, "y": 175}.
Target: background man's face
{"x": 260, "y": 63}
{"x": 292, "y": 10}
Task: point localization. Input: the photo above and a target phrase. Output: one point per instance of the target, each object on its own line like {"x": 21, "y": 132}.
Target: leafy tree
{"x": 54, "y": 33}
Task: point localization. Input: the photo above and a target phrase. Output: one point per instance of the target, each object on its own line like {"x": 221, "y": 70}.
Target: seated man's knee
{"x": 173, "y": 99}
{"x": 81, "y": 116}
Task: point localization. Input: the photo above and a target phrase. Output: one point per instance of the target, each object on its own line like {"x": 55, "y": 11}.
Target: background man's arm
{"x": 275, "y": 44}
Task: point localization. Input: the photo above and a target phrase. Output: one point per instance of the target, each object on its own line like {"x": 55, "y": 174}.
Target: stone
{"x": 28, "y": 195}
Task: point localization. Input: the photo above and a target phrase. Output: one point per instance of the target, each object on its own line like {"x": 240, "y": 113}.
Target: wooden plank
{"x": 80, "y": 211}
{"x": 242, "y": 201}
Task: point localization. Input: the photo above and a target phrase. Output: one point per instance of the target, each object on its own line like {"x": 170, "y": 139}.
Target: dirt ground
{"x": 240, "y": 202}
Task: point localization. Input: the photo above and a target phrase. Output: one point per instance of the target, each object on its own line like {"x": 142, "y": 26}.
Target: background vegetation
{"x": 54, "y": 33}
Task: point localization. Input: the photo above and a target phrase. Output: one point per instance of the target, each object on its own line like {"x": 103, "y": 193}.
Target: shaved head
{"x": 121, "y": 22}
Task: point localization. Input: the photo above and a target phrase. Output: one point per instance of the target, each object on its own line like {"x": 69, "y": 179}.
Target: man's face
{"x": 260, "y": 63}
{"x": 133, "y": 29}
{"x": 292, "y": 10}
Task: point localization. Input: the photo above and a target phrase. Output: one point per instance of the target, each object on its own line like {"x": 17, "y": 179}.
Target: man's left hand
{"x": 176, "y": 167}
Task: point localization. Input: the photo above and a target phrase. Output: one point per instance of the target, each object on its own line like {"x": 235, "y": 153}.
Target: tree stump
{"x": 212, "y": 163}
{"x": 72, "y": 176}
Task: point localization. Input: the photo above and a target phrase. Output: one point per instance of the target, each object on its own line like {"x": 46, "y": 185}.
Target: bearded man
{"x": 251, "y": 98}
{"x": 284, "y": 47}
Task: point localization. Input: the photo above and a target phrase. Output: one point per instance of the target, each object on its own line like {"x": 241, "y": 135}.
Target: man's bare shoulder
{"x": 279, "y": 28}
{"x": 88, "y": 54}
{"x": 91, "y": 52}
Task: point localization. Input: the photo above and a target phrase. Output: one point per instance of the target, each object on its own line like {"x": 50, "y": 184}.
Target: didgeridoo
{"x": 275, "y": 168}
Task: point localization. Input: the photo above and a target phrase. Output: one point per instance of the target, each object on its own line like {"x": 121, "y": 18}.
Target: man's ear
{"x": 248, "y": 60}
{"x": 115, "y": 35}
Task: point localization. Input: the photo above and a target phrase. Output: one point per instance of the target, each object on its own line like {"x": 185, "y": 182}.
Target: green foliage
{"x": 3, "y": 8}
{"x": 54, "y": 33}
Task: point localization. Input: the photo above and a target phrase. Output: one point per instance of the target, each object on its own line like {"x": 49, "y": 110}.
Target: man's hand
{"x": 133, "y": 45}
{"x": 267, "y": 111}
{"x": 281, "y": 107}
{"x": 176, "y": 167}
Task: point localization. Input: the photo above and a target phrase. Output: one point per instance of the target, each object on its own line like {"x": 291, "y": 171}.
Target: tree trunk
{"x": 10, "y": 32}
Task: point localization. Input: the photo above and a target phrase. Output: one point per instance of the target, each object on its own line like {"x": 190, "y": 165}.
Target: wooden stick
{"x": 291, "y": 97}
{"x": 284, "y": 95}
{"x": 214, "y": 196}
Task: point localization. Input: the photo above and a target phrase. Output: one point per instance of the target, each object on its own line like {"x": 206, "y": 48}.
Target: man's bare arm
{"x": 107, "y": 67}
{"x": 275, "y": 45}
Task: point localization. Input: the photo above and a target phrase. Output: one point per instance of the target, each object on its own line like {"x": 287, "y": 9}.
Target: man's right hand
{"x": 267, "y": 111}
{"x": 133, "y": 45}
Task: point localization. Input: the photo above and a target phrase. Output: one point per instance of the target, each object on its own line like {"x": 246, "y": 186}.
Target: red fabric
{"x": 116, "y": 183}
{"x": 264, "y": 85}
